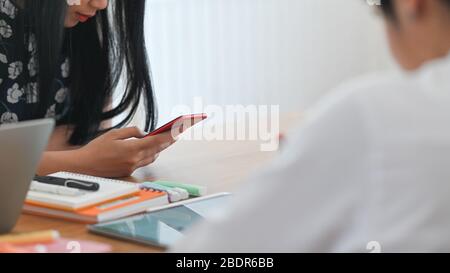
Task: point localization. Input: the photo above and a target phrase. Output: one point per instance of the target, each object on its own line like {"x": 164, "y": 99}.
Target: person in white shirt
{"x": 370, "y": 168}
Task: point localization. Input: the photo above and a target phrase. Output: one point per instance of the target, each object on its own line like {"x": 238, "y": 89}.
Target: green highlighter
{"x": 193, "y": 190}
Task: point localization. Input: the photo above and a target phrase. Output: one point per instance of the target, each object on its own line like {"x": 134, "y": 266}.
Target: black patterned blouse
{"x": 18, "y": 74}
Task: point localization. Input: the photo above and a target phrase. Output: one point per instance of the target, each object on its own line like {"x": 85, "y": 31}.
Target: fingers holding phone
{"x": 149, "y": 148}
{"x": 165, "y": 136}
{"x": 111, "y": 154}
{"x": 120, "y": 152}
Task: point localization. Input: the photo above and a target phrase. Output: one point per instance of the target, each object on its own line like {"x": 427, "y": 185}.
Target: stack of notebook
{"x": 115, "y": 199}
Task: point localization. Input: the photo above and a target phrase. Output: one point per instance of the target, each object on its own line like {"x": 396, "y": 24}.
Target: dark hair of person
{"x": 387, "y": 6}
{"x": 101, "y": 51}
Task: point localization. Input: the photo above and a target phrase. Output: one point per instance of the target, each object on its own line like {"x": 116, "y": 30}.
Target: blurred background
{"x": 271, "y": 52}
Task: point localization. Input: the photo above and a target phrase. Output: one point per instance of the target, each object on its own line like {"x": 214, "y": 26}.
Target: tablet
{"x": 165, "y": 226}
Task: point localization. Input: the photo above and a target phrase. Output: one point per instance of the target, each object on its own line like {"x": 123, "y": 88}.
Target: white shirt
{"x": 372, "y": 163}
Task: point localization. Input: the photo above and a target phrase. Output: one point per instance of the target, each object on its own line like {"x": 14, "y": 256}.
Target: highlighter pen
{"x": 174, "y": 196}
{"x": 9, "y": 248}
{"x": 38, "y": 237}
{"x": 193, "y": 190}
{"x": 70, "y": 183}
{"x": 184, "y": 194}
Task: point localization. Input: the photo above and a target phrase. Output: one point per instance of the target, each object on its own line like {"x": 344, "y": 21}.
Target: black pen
{"x": 70, "y": 183}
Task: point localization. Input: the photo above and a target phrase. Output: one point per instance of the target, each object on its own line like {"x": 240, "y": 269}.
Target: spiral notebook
{"x": 123, "y": 207}
{"x": 110, "y": 190}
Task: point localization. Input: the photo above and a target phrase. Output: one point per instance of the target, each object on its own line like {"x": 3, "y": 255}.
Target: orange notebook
{"x": 112, "y": 210}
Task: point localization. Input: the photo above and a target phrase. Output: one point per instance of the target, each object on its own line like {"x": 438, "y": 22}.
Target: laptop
{"x": 21, "y": 148}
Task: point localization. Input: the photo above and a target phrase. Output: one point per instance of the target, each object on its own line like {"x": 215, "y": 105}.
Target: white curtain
{"x": 284, "y": 52}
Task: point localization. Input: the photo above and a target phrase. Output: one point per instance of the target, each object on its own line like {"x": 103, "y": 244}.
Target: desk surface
{"x": 219, "y": 165}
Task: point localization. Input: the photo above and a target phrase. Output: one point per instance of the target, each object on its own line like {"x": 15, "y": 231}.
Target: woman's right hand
{"x": 119, "y": 152}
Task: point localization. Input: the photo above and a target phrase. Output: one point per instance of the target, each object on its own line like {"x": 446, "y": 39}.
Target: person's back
{"x": 369, "y": 165}
{"x": 368, "y": 169}
{"x": 401, "y": 151}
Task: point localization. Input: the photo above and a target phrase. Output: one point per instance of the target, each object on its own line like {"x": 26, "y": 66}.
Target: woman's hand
{"x": 117, "y": 153}
{"x": 120, "y": 152}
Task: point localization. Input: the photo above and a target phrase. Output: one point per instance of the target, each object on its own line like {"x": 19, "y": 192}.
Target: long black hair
{"x": 100, "y": 51}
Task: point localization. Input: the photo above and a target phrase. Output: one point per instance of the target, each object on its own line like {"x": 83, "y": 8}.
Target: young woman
{"x": 63, "y": 59}
{"x": 369, "y": 169}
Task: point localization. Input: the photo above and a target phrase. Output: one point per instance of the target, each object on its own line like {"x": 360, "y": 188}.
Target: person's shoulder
{"x": 374, "y": 88}
{"x": 351, "y": 91}
{"x": 9, "y": 28}
{"x": 352, "y": 104}
{"x": 340, "y": 115}
{"x": 373, "y": 85}
{"x": 9, "y": 10}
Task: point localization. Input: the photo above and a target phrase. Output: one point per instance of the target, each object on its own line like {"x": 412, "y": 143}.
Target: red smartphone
{"x": 180, "y": 124}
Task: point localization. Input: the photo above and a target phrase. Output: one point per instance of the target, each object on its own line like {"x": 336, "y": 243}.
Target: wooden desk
{"x": 219, "y": 165}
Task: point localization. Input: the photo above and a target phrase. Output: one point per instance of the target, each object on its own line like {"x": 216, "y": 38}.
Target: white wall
{"x": 286, "y": 52}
